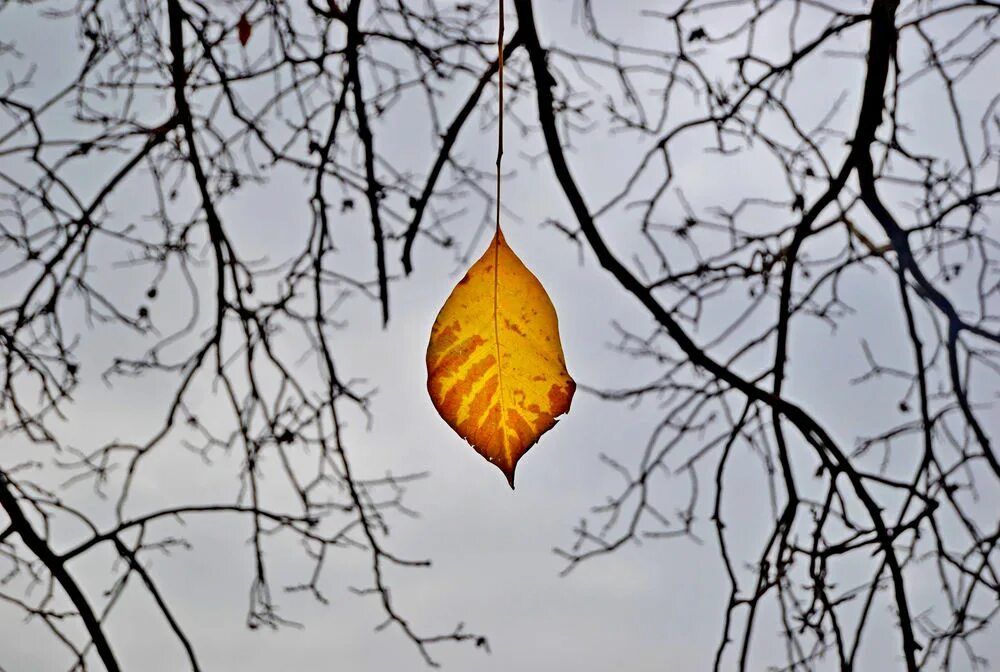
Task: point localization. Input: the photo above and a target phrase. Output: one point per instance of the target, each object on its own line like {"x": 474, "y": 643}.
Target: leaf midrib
{"x": 496, "y": 336}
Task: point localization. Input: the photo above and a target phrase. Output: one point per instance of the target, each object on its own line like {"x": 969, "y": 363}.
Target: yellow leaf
{"x": 495, "y": 366}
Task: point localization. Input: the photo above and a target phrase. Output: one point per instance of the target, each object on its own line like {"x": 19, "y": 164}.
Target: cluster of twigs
{"x": 165, "y": 96}
{"x": 167, "y": 101}
{"x": 865, "y": 201}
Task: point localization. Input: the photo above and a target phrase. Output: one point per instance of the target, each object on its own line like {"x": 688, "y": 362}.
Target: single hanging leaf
{"x": 495, "y": 366}
{"x": 243, "y": 30}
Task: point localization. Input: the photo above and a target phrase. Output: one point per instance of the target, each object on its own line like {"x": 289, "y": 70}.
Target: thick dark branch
{"x": 38, "y": 546}
{"x": 373, "y": 190}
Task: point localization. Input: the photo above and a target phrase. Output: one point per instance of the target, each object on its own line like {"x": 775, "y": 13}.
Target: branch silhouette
{"x": 830, "y": 187}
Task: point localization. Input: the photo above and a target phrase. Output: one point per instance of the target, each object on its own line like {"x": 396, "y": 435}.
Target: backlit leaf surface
{"x": 495, "y": 366}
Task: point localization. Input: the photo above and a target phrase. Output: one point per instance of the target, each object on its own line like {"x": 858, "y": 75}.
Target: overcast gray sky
{"x": 650, "y": 607}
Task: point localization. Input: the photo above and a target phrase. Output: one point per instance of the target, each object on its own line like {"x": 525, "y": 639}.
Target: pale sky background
{"x": 657, "y": 606}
